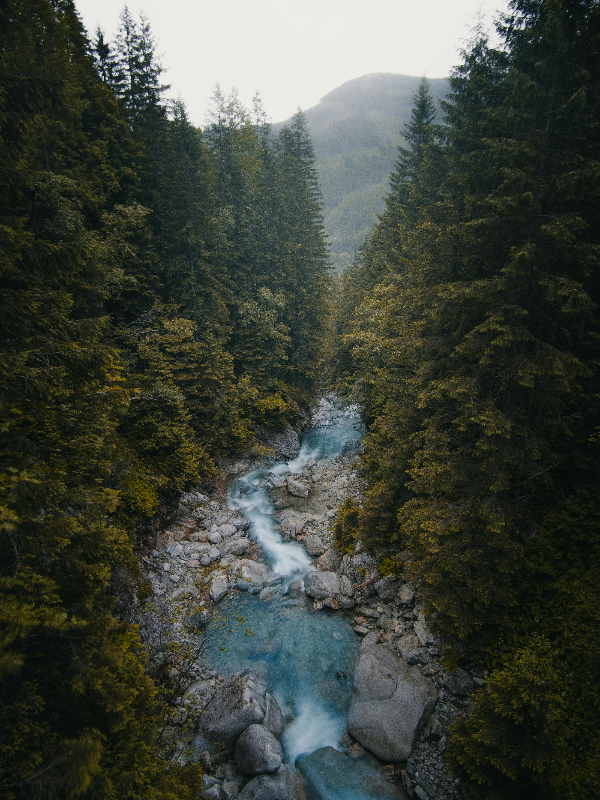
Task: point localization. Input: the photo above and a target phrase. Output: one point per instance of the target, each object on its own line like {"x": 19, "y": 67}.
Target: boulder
{"x": 214, "y": 538}
{"x": 226, "y": 530}
{"x": 198, "y": 619}
{"x": 219, "y": 586}
{"x": 387, "y": 588}
{"x": 314, "y": 546}
{"x": 296, "y": 488}
{"x": 321, "y": 584}
{"x": 277, "y": 481}
{"x": 274, "y": 720}
{"x": 269, "y": 593}
{"x": 330, "y": 561}
{"x": 249, "y": 580}
{"x": 237, "y": 547}
{"x": 175, "y": 550}
{"x": 257, "y": 751}
{"x": 276, "y": 786}
{"x": 291, "y": 524}
{"x": 391, "y": 702}
{"x": 459, "y": 682}
{"x": 237, "y": 704}
{"x": 331, "y": 775}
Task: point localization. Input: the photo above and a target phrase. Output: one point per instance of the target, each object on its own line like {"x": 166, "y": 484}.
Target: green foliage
{"x": 127, "y": 363}
{"x": 346, "y": 525}
{"x": 471, "y": 319}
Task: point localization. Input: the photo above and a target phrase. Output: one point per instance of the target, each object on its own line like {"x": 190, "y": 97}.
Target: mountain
{"x": 356, "y": 130}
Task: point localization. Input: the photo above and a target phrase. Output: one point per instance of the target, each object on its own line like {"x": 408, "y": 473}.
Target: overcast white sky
{"x": 294, "y": 52}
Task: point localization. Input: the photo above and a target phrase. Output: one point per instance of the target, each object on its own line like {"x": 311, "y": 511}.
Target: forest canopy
{"x": 163, "y": 296}
{"x": 469, "y": 333}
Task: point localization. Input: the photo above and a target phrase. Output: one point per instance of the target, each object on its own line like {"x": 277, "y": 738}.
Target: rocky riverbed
{"x": 401, "y": 700}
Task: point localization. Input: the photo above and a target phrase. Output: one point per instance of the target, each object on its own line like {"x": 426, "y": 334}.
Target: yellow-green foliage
{"x": 123, "y": 353}
{"x": 271, "y": 411}
{"x": 346, "y": 525}
{"x": 474, "y": 354}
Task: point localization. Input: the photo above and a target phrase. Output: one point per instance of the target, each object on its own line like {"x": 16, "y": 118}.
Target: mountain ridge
{"x": 356, "y": 129}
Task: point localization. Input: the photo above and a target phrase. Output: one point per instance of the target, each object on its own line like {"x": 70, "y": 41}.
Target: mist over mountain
{"x": 356, "y": 130}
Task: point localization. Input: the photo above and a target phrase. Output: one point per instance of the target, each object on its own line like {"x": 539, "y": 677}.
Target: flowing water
{"x": 304, "y": 656}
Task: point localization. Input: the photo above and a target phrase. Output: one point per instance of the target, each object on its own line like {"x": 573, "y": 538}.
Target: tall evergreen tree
{"x": 479, "y": 357}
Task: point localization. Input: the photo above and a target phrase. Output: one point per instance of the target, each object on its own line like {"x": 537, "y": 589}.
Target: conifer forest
{"x": 166, "y": 295}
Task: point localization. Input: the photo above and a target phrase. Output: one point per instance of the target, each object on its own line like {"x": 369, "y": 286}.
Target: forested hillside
{"x": 471, "y": 340}
{"x": 356, "y": 130}
{"x": 163, "y": 294}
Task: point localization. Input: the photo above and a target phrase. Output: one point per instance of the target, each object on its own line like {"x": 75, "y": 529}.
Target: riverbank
{"x": 210, "y": 554}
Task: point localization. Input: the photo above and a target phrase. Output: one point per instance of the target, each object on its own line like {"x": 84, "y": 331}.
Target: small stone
{"x": 406, "y": 595}
{"x": 215, "y": 538}
{"x": 314, "y": 546}
{"x": 219, "y": 586}
{"x": 269, "y": 592}
{"x": 227, "y": 530}
{"x": 229, "y": 790}
{"x": 214, "y": 553}
{"x": 175, "y": 550}
{"x": 296, "y": 488}
{"x": 356, "y": 751}
{"x": 459, "y": 682}
{"x": 422, "y": 632}
{"x": 361, "y": 630}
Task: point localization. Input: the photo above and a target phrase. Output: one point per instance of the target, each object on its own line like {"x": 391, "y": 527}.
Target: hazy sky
{"x": 294, "y": 53}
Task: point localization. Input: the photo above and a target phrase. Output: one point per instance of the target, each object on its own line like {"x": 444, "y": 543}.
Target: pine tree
{"x": 479, "y": 359}
{"x": 305, "y": 254}
{"x": 78, "y": 713}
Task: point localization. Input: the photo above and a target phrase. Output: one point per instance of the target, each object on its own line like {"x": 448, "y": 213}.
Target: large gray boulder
{"x": 237, "y": 704}
{"x": 391, "y": 702}
{"x": 320, "y": 585}
{"x": 331, "y": 775}
{"x": 257, "y": 751}
{"x": 276, "y": 786}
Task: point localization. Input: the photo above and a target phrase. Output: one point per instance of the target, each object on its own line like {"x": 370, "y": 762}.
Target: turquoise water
{"x": 303, "y": 655}
{"x": 299, "y": 652}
